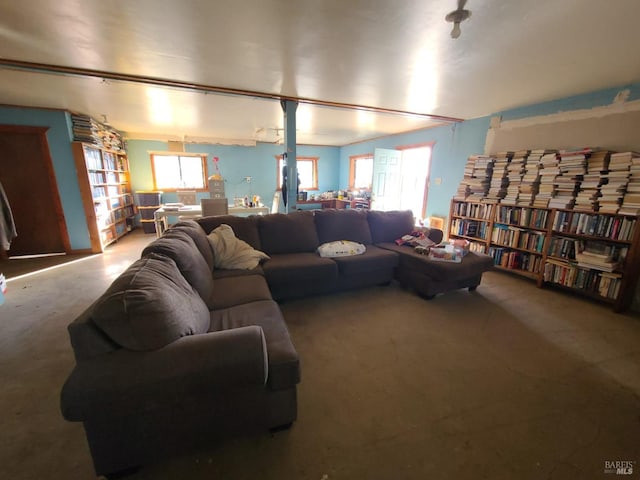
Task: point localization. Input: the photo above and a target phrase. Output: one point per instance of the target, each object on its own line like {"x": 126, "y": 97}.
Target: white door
{"x": 415, "y": 180}
{"x": 387, "y": 179}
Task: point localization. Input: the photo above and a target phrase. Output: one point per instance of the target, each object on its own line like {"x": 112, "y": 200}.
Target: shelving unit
{"x": 103, "y": 176}
{"x": 540, "y": 244}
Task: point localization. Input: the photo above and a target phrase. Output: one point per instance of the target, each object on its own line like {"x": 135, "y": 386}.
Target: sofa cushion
{"x": 284, "y": 365}
{"x": 389, "y": 226}
{"x": 373, "y": 259}
{"x": 179, "y": 246}
{"x": 224, "y": 273}
{"x": 245, "y": 228}
{"x": 288, "y": 233}
{"x": 150, "y": 305}
{"x": 239, "y": 290}
{"x": 333, "y": 225}
{"x": 299, "y": 268}
{"x": 199, "y": 237}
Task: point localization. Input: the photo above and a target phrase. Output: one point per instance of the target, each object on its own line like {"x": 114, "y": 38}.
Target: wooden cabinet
{"x": 593, "y": 254}
{"x": 103, "y": 176}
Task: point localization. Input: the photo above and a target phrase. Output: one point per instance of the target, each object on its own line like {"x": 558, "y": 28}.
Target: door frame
{"x": 41, "y": 132}
{"x": 428, "y": 179}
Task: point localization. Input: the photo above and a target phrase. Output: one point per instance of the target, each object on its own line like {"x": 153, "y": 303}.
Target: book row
{"x": 606, "y": 226}
{"x": 518, "y": 237}
{"x": 603, "y": 284}
{"x": 515, "y": 260}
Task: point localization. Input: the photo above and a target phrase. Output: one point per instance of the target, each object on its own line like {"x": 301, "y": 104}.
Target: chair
{"x": 214, "y": 206}
{"x": 186, "y": 197}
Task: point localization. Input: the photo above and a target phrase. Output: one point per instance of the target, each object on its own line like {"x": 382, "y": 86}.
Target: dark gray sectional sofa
{"x": 177, "y": 353}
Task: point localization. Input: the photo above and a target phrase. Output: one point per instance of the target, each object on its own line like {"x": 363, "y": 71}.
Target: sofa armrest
{"x": 127, "y": 381}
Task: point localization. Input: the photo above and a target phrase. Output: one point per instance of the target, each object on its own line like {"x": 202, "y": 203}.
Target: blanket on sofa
{"x": 231, "y": 253}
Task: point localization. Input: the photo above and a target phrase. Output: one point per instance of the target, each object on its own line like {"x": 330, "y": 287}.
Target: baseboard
{"x": 80, "y": 251}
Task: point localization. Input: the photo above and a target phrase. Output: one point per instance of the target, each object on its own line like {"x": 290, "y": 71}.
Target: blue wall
{"x": 452, "y": 145}
{"x": 577, "y": 102}
{"x": 59, "y": 138}
{"x": 236, "y": 163}
{"x": 451, "y": 148}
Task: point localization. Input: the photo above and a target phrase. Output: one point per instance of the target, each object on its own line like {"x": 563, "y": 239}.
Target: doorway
{"x": 401, "y": 179}
{"x": 26, "y": 173}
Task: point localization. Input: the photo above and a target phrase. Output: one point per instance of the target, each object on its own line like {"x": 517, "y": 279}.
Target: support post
{"x": 289, "y": 109}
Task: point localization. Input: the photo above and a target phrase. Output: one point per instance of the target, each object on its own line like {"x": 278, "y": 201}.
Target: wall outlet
{"x": 247, "y": 179}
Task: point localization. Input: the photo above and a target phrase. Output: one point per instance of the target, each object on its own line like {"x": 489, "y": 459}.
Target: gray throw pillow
{"x": 150, "y": 305}
{"x": 180, "y": 247}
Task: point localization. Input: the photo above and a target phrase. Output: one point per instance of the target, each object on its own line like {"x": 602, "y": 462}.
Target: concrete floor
{"x": 509, "y": 382}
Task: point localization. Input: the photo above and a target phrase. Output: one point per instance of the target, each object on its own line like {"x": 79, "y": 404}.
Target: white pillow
{"x": 341, "y": 248}
{"x": 232, "y": 253}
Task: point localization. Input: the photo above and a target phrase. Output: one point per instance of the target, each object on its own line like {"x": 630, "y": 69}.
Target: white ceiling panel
{"x": 375, "y": 53}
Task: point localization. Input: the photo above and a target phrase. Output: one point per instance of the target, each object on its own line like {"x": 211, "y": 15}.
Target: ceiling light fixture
{"x": 456, "y": 17}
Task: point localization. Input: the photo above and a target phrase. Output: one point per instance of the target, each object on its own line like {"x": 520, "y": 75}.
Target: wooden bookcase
{"x": 537, "y": 243}
{"x": 103, "y": 176}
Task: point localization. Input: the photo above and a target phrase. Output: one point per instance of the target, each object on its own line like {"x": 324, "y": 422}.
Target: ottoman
{"x": 430, "y": 277}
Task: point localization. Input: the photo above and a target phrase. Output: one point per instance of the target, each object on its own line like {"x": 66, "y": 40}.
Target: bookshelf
{"x": 103, "y": 176}
{"x": 593, "y": 254}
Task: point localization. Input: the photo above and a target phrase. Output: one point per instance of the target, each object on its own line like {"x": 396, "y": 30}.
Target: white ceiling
{"x": 375, "y": 53}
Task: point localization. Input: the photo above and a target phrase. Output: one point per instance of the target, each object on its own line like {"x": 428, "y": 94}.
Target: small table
{"x": 194, "y": 211}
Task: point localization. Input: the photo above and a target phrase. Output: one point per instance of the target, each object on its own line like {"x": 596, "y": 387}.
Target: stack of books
{"x": 631, "y": 200}
{"x": 88, "y": 130}
{"x": 531, "y": 178}
{"x": 515, "y": 171}
{"x": 480, "y": 177}
{"x": 599, "y": 255}
{"x": 463, "y": 188}
{"x": 614, "y": 184}
{"x": 572, "y": 166}
{"x": 548, "y": 172}
{"x": 589, "y": 192}
{"x": 499, "y": 179}
{"x": 477, "y": 176}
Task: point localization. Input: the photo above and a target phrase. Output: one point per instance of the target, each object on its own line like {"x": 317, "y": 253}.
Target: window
{"x": 179, "y": 171}
{"x": 307, "y": 171}
{"x": 360, "y": 172}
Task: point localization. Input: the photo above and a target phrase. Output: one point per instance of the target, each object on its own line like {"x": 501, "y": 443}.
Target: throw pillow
{"x": 232, "y": 253}
{"x": 150, "y": 305}
{"x": 341, "y": 248}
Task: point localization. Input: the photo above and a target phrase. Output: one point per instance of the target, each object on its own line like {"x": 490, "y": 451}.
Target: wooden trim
{"x": 57, "y": 203}
{"x": 87, "y": 195}
{"x": 205, "y": 170}
{"x": 314, "y": 160}
{"x": 416, "y": 145}
{"x": 106, "y": 75}
{"x": 352, "y": 168}
{"x": 176, "y": 154}
{"x": 631, "y": 272}
{"x": 51, "y": 175}
{"x": 81, "y": 251}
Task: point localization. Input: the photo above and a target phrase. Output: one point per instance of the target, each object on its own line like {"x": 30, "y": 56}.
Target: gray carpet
{"x": 508, "y": 382}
